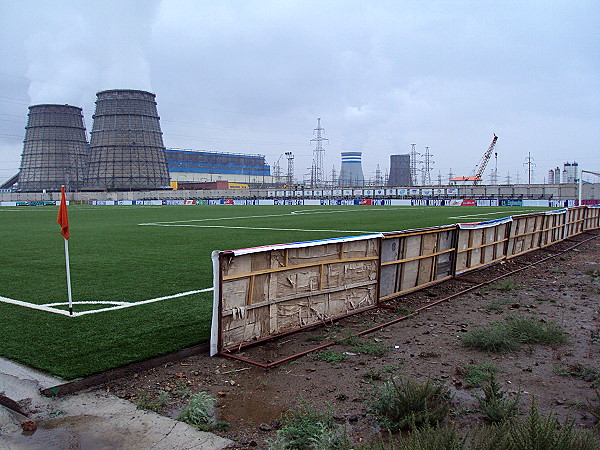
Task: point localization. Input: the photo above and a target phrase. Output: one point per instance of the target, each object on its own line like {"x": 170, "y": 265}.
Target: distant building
{"x": 571, "y": 172}
{"x": 189, "y": 166}
{"x": 400, "y": 171}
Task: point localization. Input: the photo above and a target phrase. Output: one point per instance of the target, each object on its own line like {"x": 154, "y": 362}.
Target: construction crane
{"x": 480, "y": 168}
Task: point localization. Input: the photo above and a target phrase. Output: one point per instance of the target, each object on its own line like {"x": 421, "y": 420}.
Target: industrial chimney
{"x": 54, "y": 150}
{"x": 126, "y": 146}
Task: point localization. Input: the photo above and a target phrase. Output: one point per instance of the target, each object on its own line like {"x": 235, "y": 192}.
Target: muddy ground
{"x": 564, "y": 289}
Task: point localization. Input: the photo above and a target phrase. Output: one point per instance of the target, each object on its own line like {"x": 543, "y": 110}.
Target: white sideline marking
{"x": 163, "y": 224}
{"x": 491, "y": 214}
{"x": 48, "y": 307}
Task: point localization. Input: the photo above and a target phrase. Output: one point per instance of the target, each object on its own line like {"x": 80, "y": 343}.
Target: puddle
{"x": 249, "y": 407}
{"x": 73, "y": 433}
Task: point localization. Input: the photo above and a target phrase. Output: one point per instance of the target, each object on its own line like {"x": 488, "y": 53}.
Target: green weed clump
{"x": 200, "y": 410}
{"x": 404, "y": 403}
{"x": 477, "y": 374}
{"x": 307, "y": 428}
{"x": 494, "y": 405}
{"x": 514, "y": 331}
{"x": 154, "y": 403}
{"x": 331, "y": 356}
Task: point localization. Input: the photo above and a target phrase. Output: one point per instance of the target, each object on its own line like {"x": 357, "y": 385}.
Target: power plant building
{"x": 351, "y": 173}
{"x": 188, "y": 166}
{"x": 126, "y": 145}
{"x": 54, "y": 150}
{"x": 400, "y": 171}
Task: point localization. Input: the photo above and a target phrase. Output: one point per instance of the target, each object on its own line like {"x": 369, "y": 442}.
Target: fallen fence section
{"x": 269, "y": 291}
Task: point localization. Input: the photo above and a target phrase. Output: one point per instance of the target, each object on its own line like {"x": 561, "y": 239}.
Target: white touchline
{"x": 48, "y": 307}
{"x": 162, "y": 224}
{"x": 490, "y": 214}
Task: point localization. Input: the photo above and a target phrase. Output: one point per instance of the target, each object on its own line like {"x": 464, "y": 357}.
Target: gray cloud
{"x": 253, "y": 76}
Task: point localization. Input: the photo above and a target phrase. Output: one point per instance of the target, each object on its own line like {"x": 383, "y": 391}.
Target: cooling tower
{"x": 351, "y": 173}
{"x": 126, "y": 146}
{"x": 54, "y": 150}
{"x": 400, "y": 171}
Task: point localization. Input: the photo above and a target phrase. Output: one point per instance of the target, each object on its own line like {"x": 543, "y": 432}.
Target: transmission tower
{"x": 439, "y": 178}
{"x": 508, "y": 179}
{"x": 414, "y": 162}
{"x": 450, "y": 175}
{"x": 529, "y": 162}
{"x": 333, "y": 176}
{"x": 378, "y": 180}
{"x": 426, "y": 171}
{"x": 290, "y": 169}
{"x": 317, "y": 167}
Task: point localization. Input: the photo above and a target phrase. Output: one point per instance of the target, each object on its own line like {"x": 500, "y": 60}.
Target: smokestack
{"x": 126, "y": 146}
{"x": 54, "y": 150}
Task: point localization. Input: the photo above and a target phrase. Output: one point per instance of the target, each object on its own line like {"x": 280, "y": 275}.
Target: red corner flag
{"x": 63, "y": 216}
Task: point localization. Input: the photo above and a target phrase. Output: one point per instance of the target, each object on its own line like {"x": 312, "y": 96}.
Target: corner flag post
{"x": 63, "y": 221}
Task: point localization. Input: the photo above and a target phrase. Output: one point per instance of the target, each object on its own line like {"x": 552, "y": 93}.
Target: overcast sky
{"x": 251, "y": 76}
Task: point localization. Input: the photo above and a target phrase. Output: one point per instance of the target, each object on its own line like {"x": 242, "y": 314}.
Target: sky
{"x": 253, "y": 76}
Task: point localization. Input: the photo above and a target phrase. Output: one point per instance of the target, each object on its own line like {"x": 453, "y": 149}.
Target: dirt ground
{"x": 564, "y": 289}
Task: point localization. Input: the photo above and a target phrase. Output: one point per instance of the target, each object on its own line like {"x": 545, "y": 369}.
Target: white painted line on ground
{"x": 48, "y": 307}
{"x": 492, "y": 213}
{"x": 162, "y": 224}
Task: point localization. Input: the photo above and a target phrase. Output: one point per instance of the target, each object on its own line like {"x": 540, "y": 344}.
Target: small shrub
{"x": 495, "y": 337}
{"x": 477, "y": 374}
{"x": 509, "y": 334}
{"x": 371, "y": 348}
{"x": 372, "y": 375}
{"x": 537, "y": 432}
{"x": 155, "y": 403}
{"x": 595, "y": 409}
{"x": 528, "y": 330}
{"x": 577, "y": 370}
{"x": 330, "y": 356}
{"x": 494, "y": 405}
{"x": 505, "y": 284}
{"x": 199, "y": 411}
{"x": 430, "y": 438}
{"x": 307, "y": 428}
{"x": 400, "y": 404}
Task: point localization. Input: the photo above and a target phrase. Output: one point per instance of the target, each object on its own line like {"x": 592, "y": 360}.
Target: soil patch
{"x": 561, "y": 378}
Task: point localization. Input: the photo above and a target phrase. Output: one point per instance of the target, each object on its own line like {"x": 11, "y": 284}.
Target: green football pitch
{"x": 136, "y": 272}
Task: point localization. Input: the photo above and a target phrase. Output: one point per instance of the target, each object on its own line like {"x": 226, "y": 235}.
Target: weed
{"x": 508, "y": 335}
{"x": 545, "y": 299}
{"x": 308, "y": 428}
{"x": 330, "y": 356}
{"x": 199, "y": 411}
{"x": 476, "y": 374}
{"x": 494, "y": 405}
{"x": 497, "y": 305}
{"x": 577, "y": 370}
{"x": 389, "y": 369}
{"x": 596, "y": 336}
{"x": 405, "y": 403}
{"x": 372, "y": 375}
{"x": 494, "y": 337}
{"x": 155, "y": 403}
{"x": 341, "y": 397}
{"x": 505, "y": 284}
{"x": 595, "y": 409}
{"x": 315, "y": 337}
{"x": 183, "y": 390}
{"x": 428, "y": 438}
{"x": 371, "y": 348}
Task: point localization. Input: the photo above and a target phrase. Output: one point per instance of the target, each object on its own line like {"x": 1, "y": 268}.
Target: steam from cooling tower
{"x": 110, "y": 49}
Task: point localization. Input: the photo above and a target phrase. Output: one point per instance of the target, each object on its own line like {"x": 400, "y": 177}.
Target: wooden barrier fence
{"x": 268, "y": 291}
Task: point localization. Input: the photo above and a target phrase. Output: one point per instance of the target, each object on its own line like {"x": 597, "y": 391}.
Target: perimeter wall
{"x": 267, "y": 291}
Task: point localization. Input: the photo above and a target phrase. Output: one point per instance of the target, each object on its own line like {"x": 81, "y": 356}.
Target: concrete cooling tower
{"x": 55, "y": 149}
{"x": 126, "y": 146}
{"x": 351, "y": 173}
{"x": 400, "y": 171}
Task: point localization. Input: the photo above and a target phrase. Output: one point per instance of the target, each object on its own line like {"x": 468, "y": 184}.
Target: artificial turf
{"x": 115, "y": 258}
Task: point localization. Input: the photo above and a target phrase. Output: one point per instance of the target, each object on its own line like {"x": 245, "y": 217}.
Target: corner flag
{"x": 63, "y": 220}
{"x": 63, "y": 216}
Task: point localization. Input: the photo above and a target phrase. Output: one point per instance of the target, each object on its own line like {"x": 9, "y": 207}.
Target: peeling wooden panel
{"x": 592, "y": 219}
{"x": 270, "y": 292}
{"x": 389, "y": 252}
{"x": 444, "y": 261}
